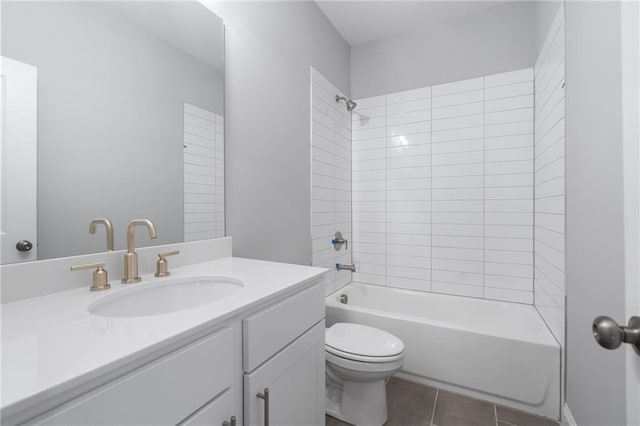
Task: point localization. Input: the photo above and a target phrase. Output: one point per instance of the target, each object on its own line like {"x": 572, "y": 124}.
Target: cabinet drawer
{"x": 271, "y": 329}
{"x": 165, "y": 391}
{"x": 215, "y": 412}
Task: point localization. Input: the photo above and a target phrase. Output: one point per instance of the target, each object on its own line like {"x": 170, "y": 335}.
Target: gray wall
{"x": 270, "y": 48}
{"x": 544, "y": 12}
{"x": 492, "y": 41}
{"x": 110, "y": 121}
{"x": 594, "y": 216}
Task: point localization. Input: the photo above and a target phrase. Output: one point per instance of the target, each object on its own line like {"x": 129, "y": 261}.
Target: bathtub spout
{"x": 341, "y": 267}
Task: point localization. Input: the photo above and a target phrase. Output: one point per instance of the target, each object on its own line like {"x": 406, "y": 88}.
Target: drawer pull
{"x": 231, "y": 423}
{"x": 265, "y": 395}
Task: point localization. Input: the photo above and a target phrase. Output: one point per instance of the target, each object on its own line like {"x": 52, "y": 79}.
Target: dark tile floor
{"x": 410, "y": 404}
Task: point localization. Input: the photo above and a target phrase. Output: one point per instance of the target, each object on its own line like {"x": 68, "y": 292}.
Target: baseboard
{"x": 567, "y": 417}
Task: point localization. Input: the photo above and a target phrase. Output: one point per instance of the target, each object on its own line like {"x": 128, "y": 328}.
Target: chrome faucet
{"x": 341, "y": 267}
{"x": 131, "y": 258}
{"x": 93, "y": 226}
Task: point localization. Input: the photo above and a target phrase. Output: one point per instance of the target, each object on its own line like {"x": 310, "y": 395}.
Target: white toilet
{"x": 359, "y": 360}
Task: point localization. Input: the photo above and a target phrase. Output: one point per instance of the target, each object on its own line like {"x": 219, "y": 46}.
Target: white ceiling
{"x": 361, "y": 22}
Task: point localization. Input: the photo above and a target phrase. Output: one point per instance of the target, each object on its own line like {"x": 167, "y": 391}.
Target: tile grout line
{"x": 484, "y": 188}
{"x": 534, "y": 172}
{"x": 435, "y": 403}
{"x": 333, "y": 116}
{"x": 386, "y": 201}
{"x": 350, "y": 252}
{"x": 431, "y": 196}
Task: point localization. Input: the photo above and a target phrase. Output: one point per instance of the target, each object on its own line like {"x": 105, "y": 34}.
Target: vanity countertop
{"x": 51, "y": 344}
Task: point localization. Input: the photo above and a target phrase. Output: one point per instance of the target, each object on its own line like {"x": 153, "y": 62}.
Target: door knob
{"x": 610, "y": 335}
{"x": 24, "y": 245}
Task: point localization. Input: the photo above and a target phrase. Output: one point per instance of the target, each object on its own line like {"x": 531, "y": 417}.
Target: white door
{"x": 291, "y": 385}
{"x": 631, "y": 149}
{"x": 18, "y": 159}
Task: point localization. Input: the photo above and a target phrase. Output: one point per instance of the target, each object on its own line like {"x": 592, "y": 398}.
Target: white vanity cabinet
{"x": 284, "y": 383}
{"x": 215, "y": 375}
{"x": 173, "y": 389}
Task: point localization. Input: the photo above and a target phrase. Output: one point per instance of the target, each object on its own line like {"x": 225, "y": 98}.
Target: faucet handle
{"x": 338, "y": 241}
{"x": 100, "y": 277}
{"x": 162, "y": 266}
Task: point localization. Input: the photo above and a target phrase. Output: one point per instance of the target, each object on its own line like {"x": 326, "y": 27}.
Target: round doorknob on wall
{"x": 24, "y": 245}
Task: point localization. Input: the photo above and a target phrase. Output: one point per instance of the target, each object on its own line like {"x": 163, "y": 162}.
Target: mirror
{"x": 128, "y": 100}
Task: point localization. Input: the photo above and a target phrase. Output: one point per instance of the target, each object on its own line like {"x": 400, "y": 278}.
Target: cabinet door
{"x": 296, "y": 383}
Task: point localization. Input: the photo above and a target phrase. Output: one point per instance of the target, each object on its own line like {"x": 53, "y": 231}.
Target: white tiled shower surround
{"x": 443, "y": 188}
{"x": 203, "y": 174}
{"x": 549, "y": 229}
{"x": 330, "y": 179}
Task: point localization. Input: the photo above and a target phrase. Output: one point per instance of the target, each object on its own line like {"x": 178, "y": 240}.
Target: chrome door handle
{"x": 230, "y": 423}
{"x": 265, "y": 396}
{"x": 610, "y": 335}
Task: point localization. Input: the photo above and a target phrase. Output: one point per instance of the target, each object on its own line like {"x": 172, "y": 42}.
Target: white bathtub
{"x": 502, "y": 352}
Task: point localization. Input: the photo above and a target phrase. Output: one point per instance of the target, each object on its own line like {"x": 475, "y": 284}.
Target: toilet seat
{"x": 363, "y": 358}
{"x": 362, "y": 343}
{"x": 370, "y": 370}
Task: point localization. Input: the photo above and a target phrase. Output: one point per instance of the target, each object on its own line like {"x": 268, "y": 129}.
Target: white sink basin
{"x": 167, "y": 296}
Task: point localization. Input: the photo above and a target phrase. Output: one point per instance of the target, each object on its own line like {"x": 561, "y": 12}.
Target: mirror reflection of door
{"x": 18, "y": 216}
{"x": 113, "y": 79}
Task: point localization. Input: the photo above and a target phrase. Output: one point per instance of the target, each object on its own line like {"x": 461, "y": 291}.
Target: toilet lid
{"x": 362, "y": 340}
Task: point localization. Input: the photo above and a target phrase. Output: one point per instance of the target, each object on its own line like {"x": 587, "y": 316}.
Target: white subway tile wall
{"x": 408, "y": 190}
{"x": 549, "y": 246}
{"x": 458, "y": 188}
{"x": 203, "y": 174}
{"x": 369, "y": 129}
{"x": 443, "y": 188}
{"x": 508, "y": 202}
{"x": 330, "y": 179}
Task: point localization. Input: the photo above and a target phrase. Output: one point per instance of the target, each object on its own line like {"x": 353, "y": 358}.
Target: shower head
{"x": 350, "y": 104}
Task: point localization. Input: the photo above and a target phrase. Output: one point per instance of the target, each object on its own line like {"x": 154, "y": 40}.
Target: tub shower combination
{"x": 439, "y": 178}
{"x": 491, "y": 350}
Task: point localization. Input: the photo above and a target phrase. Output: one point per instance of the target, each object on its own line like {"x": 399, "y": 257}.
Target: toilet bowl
{"x": 359, "y": 360}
